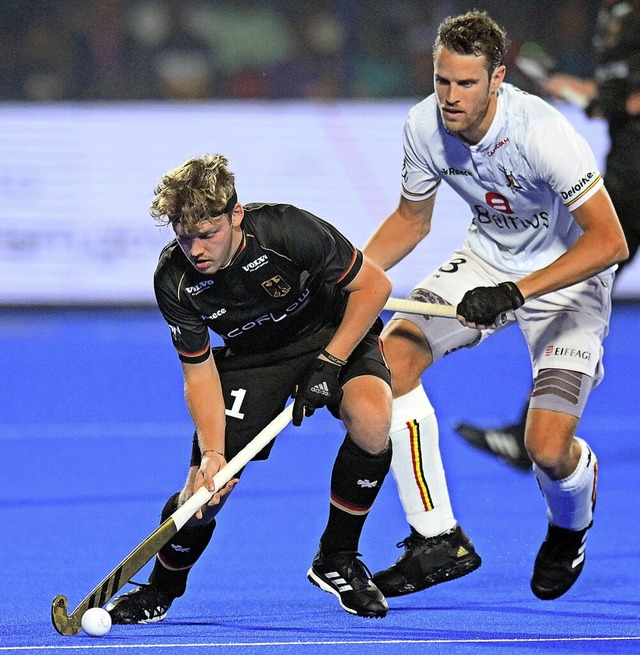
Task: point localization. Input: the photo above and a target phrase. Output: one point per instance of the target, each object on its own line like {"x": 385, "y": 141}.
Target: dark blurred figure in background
{"x": 614, "y": 94}
{"x": 116, "y": 64}
{"x": 49, "y": 59}
{"x": 315, "y": 64}
{"x": 182, "y": 62}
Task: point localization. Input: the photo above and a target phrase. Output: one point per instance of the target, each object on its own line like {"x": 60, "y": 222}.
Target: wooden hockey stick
{"x": 417, "y": 307}
{"x": 69, "y": 624}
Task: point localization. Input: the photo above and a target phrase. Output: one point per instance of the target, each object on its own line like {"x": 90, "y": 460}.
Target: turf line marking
{"x": 346, "y": 642}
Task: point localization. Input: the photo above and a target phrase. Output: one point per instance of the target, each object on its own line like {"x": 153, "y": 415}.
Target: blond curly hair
{"x": 198, "y": 190}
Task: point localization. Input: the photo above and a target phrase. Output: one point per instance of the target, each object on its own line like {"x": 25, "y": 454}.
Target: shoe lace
{"x": 355, "y": 567}
{"x": 412, "y": 540}
{"x": 416, "y": 539}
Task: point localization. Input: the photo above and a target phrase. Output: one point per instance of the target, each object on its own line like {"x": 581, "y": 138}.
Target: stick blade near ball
{"x": 66, "y": 625}
{"x": 70, "y": 624}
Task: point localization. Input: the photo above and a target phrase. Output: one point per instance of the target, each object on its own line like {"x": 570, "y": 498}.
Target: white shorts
{"x": 563, "y": 329}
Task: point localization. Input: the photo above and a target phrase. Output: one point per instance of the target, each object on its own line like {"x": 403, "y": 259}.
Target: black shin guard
{"x": 180, "y": 553}
{"x": 355, "y": 482}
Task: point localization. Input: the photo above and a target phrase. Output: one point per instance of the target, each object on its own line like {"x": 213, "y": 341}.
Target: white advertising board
{"x": 76, "y": 181}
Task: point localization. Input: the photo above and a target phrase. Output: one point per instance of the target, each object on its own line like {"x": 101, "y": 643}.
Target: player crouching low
{"x": 229, "y": 269}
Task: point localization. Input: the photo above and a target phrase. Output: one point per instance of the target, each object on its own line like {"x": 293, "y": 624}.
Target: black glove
{"x": 320, "y": 386}
{"x": 483, "y": 305}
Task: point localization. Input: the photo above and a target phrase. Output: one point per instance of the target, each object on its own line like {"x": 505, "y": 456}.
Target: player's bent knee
{"x": 370, "y": 431}
{"x": 369, "y": 428}
{"x": 551, "y": 450}
{"x": 550, "y": 458}
{"x": 557, "y": 402}
{"x": 366, "y": 400}
{"x": 371, "y": 440}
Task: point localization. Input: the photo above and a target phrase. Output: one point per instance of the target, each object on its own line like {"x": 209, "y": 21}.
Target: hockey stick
{"x": 69, "y": 624}
{"x": 417, "y": 307}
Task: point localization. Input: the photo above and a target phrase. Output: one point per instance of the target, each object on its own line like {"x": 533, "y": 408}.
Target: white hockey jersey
{"x": 521, "y": 181}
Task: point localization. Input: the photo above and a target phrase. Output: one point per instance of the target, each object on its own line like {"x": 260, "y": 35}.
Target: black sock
{"x": 180, "y": 552}
{"x": 355, "y": 482}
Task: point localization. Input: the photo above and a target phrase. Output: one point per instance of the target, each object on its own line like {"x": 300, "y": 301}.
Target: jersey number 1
{"x": 238, "y": 395}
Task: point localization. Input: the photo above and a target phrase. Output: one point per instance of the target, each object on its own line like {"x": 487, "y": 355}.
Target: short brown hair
{"x": 473, "y": 33}
{"x": 198, "y": 190}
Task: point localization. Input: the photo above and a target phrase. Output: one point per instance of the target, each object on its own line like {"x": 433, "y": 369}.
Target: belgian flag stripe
{"x": 416, "y": 459}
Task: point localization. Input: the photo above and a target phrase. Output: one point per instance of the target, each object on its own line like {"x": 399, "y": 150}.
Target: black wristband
{"x": 513, "y": 293}
{"x": 332, "y": 358}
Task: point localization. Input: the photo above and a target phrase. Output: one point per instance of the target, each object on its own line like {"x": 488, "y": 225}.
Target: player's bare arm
{"x": 368, "y": 293}
{"x": 401, "y": 232}
{"x": 203, "y": 395}
{"x": 602, "y": 245}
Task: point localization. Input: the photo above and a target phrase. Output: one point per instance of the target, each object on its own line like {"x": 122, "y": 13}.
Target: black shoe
{"x": 346, "y": 577}
{"x": 559, "y": 562}
{"x": 506, "y": 443}
{"x": 428, "y": 561}
{"x": 145, "y": 604}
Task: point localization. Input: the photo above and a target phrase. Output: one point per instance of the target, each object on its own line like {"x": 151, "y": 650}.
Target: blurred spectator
{"x": 315, "y": 65}
{"x": 420, "y": 23}
{"x": 379, "y": 68}
{"x": 182, "y": 62}
{"x": 50, "y": 59}
{"x": 249, "y": 38}
{"x": 11, "y": 70}
{"x": 572, "y": 38}
{"x": 115, "y": 64}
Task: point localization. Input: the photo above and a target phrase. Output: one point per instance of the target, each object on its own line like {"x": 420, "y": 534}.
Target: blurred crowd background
{"x": 95, "y": 50}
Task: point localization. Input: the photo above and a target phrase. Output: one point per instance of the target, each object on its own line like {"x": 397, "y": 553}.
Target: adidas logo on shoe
{"x": 349, "y": 580}
{"x": 462, "y": 551}
{"x": 340, "y": 583}
{"x": 321, "y": 388}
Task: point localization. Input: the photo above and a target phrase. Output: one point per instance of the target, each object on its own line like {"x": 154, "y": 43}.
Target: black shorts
{"x": 257, "y": 387}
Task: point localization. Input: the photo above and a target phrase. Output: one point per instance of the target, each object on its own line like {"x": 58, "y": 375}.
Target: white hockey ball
{"x": 96, "y": 622}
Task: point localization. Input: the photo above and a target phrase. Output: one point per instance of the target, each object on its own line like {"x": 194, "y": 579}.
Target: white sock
{"x": 417, "y": 465}
{"x": 570, "y": 501}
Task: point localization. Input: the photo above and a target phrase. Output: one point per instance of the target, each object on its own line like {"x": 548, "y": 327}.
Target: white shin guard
{"x": 417, "y": 465}
{"x": 570, "y": 502}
